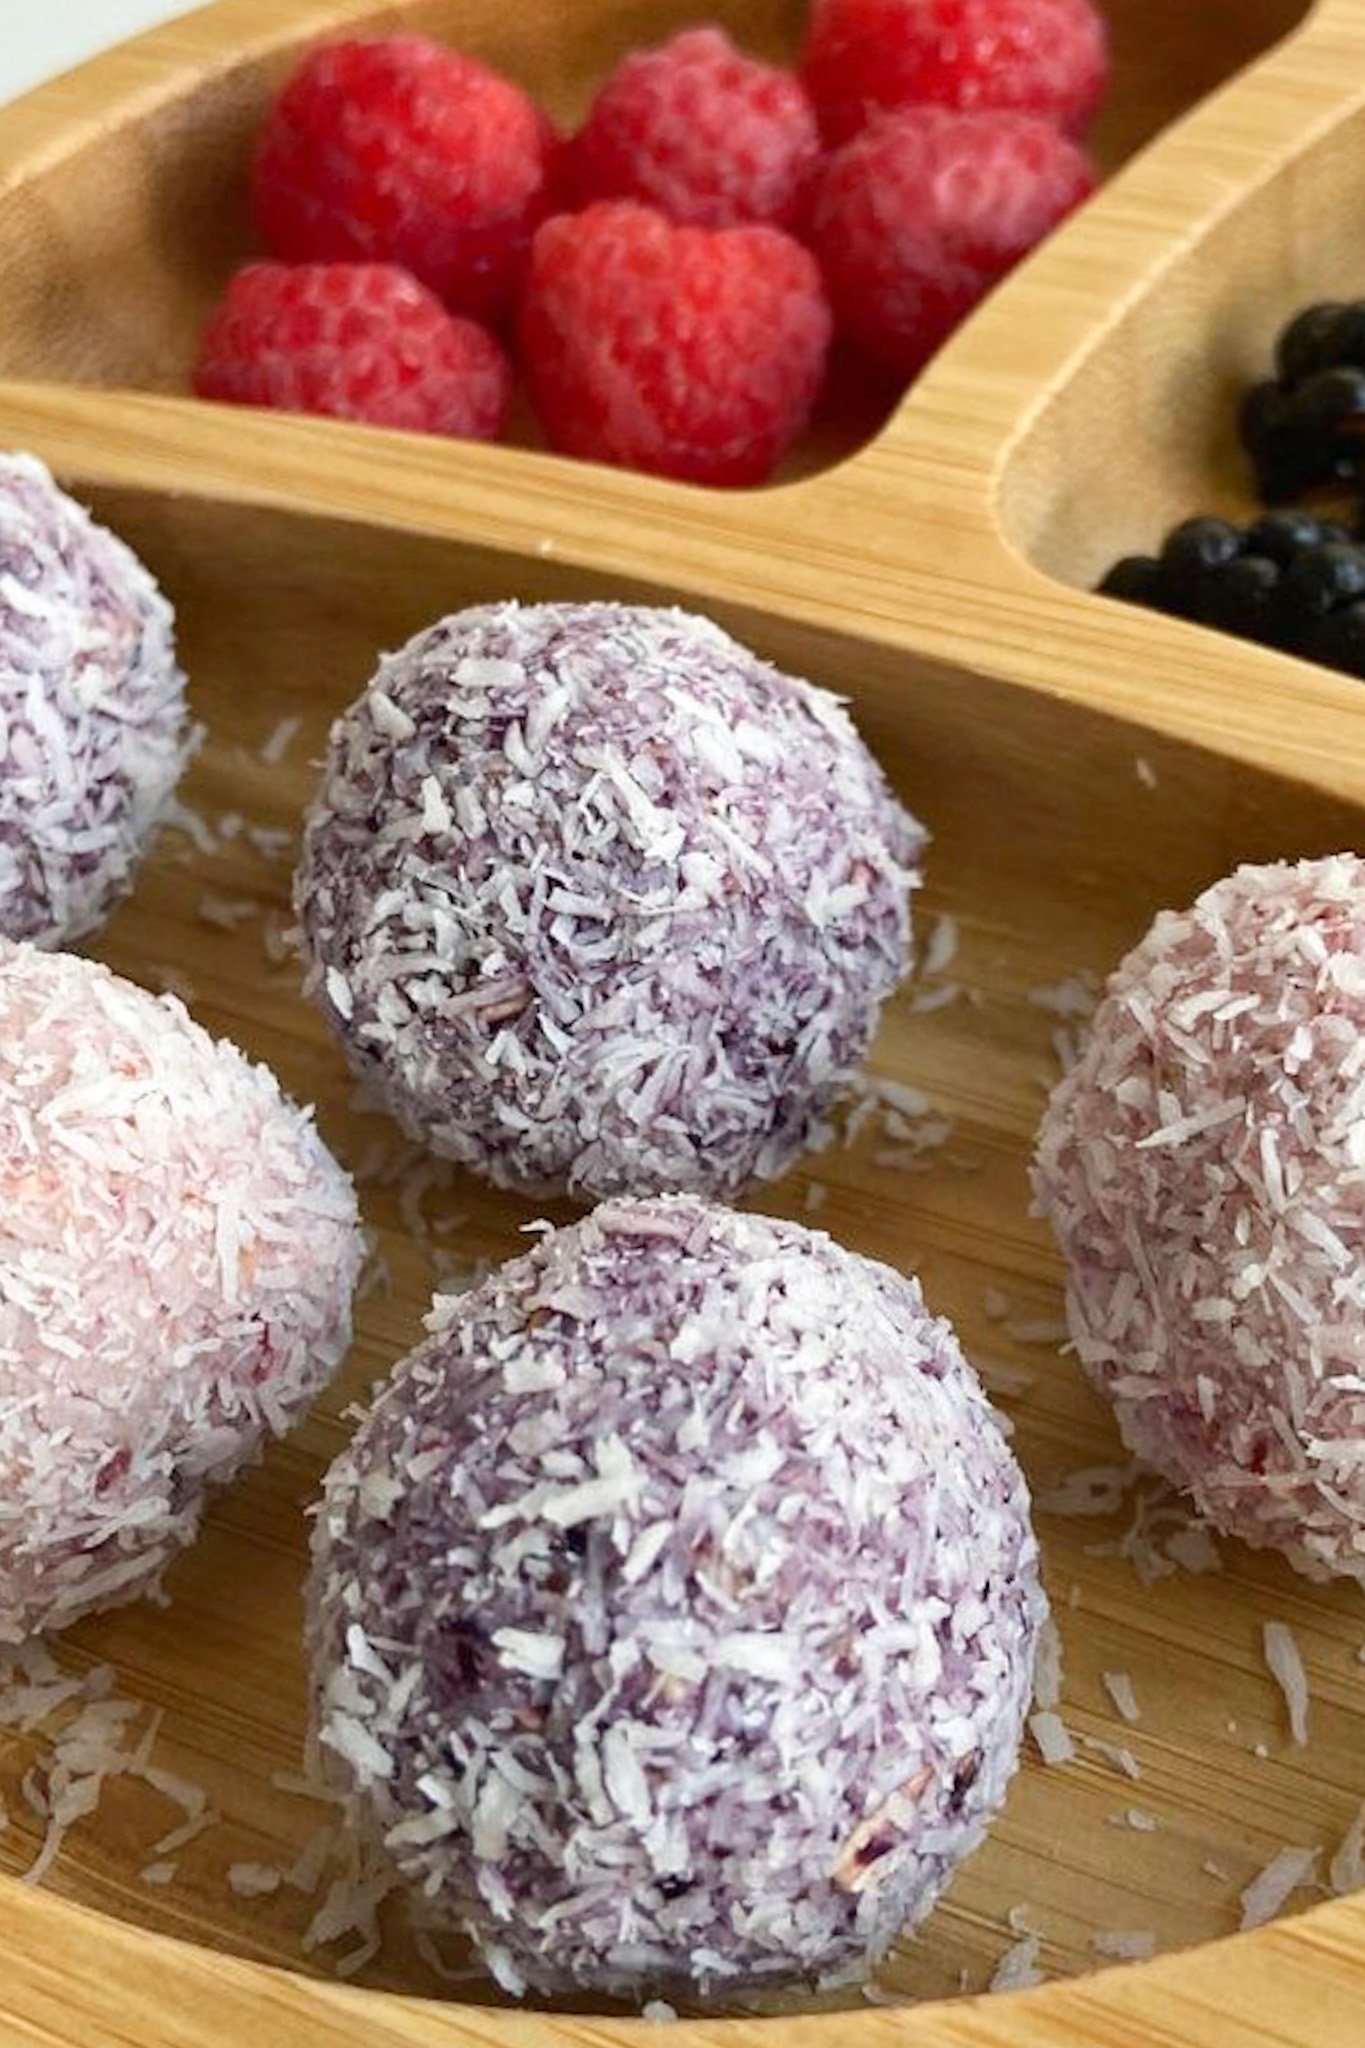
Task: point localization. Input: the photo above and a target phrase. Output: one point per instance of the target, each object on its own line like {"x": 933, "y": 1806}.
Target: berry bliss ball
{"x": 599, "y": 902}
{"x": 92, "y": 711}
{"x": 1202, "y": 1169}
{"x": 177, "y": 1256}
{"x": 674, "y": 1608}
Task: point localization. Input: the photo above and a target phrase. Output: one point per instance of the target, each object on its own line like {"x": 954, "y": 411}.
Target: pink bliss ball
{"x": 1203, "y": 1168}
{"x": 674, "y": 1608}
{"x": 599, "y": 902}
{"x": 177, "y": 1256}
{"x": 93, "y": 729}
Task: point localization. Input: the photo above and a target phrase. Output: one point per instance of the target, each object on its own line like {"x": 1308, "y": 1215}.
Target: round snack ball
{"x": 395, "y": 149}
{"x": 1044, "y": 57}
{"x": 92, "y": 710}
{"x": 917, "y": 218}
{"x": 1201, "y": 1167}
{"x": 178, "y": 1251}
{"x": 599, "y": 902}
{"x": 703, "y": 132}
{"x": 674, "y": 1608}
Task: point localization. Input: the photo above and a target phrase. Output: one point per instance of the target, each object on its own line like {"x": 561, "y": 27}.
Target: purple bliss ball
{"x": 1203, "y": 1167}
{"x": 599, "y": 902}
{"x": 674, "y": 1608}
{"x": 92, "y": 711}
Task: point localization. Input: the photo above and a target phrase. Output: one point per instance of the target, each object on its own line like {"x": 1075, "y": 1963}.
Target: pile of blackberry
{"x": 1290, "y": 579}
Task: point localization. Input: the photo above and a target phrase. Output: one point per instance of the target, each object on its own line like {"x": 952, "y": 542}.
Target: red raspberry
{"x": 709, "y": 136}
{"x": 1048, "y": 57}
{"x": 361, "y": 341}
{"x": 690, "y": 352}
{"x": 922, "y": 213}
{"x": 400, "y": 151}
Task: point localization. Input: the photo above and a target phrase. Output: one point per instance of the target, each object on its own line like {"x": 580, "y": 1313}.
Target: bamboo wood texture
{"x": 1080, "y": 766}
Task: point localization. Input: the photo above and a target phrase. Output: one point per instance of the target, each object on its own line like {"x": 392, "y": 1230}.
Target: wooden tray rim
{"x": 75, "y": 1975}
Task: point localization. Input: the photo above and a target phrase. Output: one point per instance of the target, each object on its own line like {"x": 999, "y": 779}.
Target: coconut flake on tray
{"x": 1271, "y": 1889}
{"x": 1286, "y": 1668}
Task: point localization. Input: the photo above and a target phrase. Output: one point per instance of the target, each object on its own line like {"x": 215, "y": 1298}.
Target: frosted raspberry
{"x": 402, "y": 151}
{"x": 925, "y": 210}
{"x": 1047, "y": 57}
{"x": 690, "y": 352}
{"x": 361, "y": 341}
{"x": 706, "y": 134}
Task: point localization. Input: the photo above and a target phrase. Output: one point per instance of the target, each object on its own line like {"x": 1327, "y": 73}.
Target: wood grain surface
{"x": 1080, "y": 766}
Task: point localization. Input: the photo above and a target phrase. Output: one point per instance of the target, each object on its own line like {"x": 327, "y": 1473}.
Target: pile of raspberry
{"x": 669, "y": 281}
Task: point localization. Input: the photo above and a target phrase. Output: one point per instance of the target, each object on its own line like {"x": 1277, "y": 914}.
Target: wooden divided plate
{"x": 1081, "y": 765}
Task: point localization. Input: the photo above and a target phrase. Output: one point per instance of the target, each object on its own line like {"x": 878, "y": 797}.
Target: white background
{"x": 39, "y": 37}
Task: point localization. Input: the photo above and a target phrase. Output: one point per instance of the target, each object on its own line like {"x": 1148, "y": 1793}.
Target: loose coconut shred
{"x": 177, "y": 1256}
{"x": 92, "y": 710}
{"x": 1202, "y": 1167}
{"x": 674, "y": 1608}
{"x": 598, "y": 901}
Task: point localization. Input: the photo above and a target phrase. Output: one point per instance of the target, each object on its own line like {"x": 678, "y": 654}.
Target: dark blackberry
{"x": 1279, "y": 536}
{"x": 1331, "y": 403}
{"x": 1136, "y": 579}
{"x": 1338, "y": 640}
{"x": 1324, "y": 579}
{"x": 1196, "y": 546}
{"x": 1244, "y": 598}
{"x": 1282, "y": 466}
{"x": 1308, "y": 343}
{"x": 1306, "y": 436}
{"x": 1195, "y": 553}
{"x": 1288, "y": 581}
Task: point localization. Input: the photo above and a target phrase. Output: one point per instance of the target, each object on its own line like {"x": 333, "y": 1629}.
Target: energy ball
{"x": 92, "y": 711}
{"x": 599, "y": 902}
{"x": 1203, "y": 1168}
{"x": 674, "y": 1608}
{"x": 178, "y": 1251}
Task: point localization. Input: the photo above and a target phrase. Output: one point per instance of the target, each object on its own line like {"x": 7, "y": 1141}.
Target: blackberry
{"x": 1245, "y": 599}
{"x": 1310, "y": 433}
{"x": 1134, "y": 579}
{"x": 1338, "y": 640}
{"x": 1279, "y": 536}
{"x": 1323, "y": 579}
{"x": 1325, "y": 337}
{"x": 1288, "y": 580}
{"x": 1307, "y": 344}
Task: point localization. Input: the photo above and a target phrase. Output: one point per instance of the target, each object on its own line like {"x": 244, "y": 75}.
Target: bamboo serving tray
{"x": 1080, "y": 765}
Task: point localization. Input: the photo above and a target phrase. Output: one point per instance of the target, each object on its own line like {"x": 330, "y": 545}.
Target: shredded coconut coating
{"x": 601, "y": 903}
{"x": 674, "y": 1609}
{"x": 1204, "y": 1170}
{"x": 177, "y": 1256}
{"x": 92, "y": 710}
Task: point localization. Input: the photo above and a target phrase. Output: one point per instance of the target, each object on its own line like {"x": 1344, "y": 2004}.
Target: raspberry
{"x": 709, "y": 136}
{"x": 690, "y": 352}
{"x": 1048, "y": 57}
{"x": 400, "y": 151}
{"x": 918, "y": 216}
{"x": 361, "y": 341}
